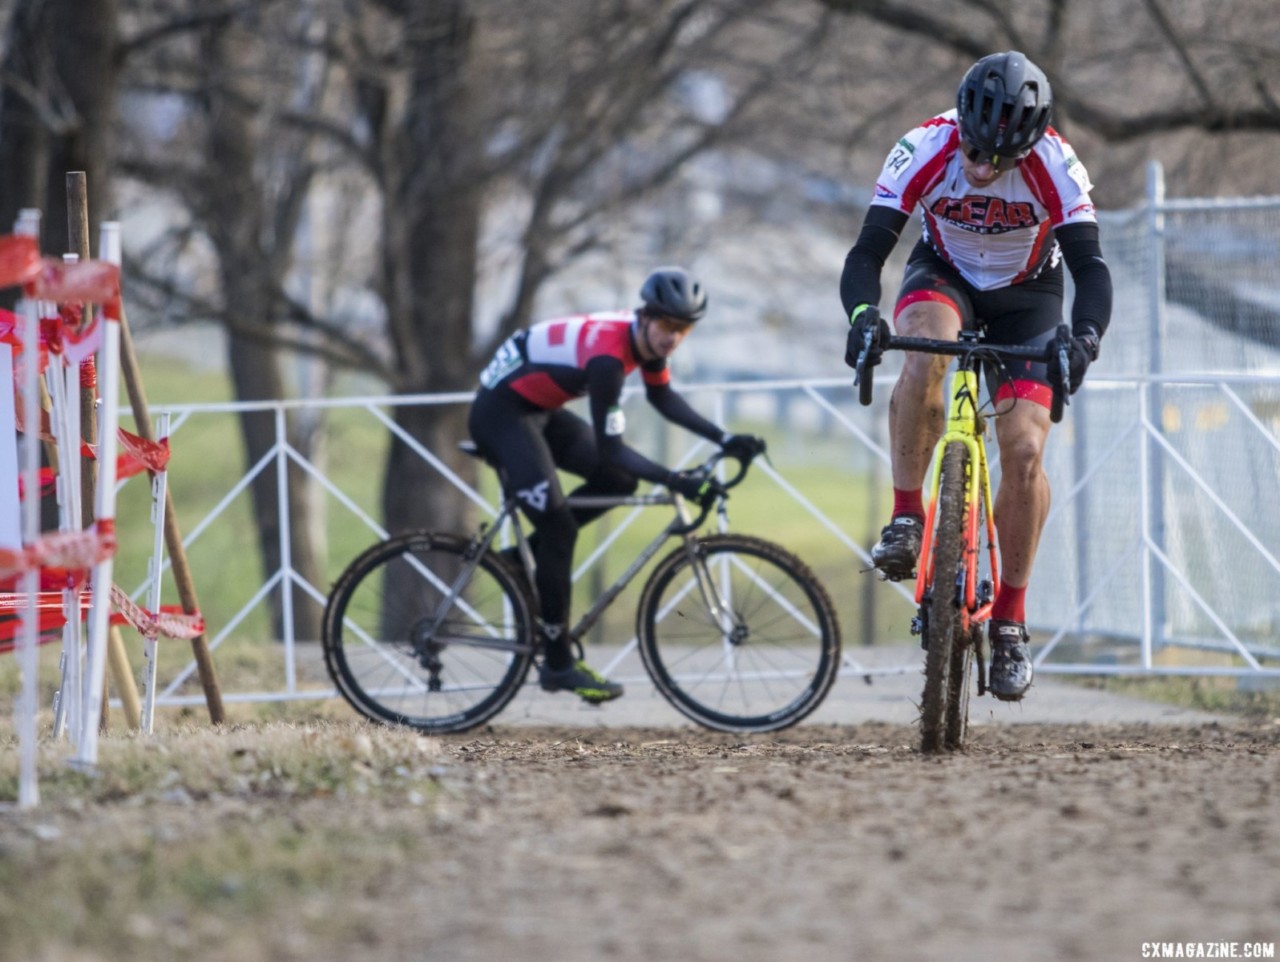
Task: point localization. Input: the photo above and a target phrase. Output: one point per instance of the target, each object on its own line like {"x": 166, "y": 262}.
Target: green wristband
{"x": 857, "y": 312}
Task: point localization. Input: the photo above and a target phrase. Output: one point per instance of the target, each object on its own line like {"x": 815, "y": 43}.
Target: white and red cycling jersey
{"x": 993, "y": 236}
{"x": 547, "y": 363}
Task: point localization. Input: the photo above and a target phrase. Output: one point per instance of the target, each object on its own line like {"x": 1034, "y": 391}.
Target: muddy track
{"x": 825, "y": 842}
{"x": 1041, "y": 842}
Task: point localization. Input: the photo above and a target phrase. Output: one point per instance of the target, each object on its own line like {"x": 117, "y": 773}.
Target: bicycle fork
{"x": 731, "y": 628}
{"x": 972, "y": 595}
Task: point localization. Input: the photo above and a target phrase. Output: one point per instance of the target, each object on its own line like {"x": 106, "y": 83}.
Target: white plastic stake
{"x": 28, "y": 653}
{"x": 105, "y": 513}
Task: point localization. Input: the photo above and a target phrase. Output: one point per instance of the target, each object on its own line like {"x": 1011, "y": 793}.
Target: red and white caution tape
{"x": 62, "y": 549}
{"x": 151, "y": 624}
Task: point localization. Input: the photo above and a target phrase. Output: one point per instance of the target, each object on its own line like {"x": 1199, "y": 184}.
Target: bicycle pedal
{"x": 885, "y": 576}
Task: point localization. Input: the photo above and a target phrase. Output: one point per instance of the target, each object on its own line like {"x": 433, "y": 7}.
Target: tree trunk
{"x": 56, "y": 109}
{"x": 414, "y": 494}
{"x": 432, "y": 229}
{"x": 236, "y": 219}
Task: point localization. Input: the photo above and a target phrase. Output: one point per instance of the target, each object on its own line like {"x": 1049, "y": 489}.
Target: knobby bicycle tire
{"x": 959, "y": 687}
{"x": 767, "y": 671}
{"x": 943, "y": 616}
{"x": 388, "y": 663}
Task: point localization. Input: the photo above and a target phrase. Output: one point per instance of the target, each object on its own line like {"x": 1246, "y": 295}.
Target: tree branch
{"x": 1180, "y": 50}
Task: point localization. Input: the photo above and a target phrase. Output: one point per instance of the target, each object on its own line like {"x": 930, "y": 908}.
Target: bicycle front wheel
{"x": 959, "y": 685}
{"x": 943, "y": 599}
{"x": 401, "y": 652}
{"x": 738, "y": 634}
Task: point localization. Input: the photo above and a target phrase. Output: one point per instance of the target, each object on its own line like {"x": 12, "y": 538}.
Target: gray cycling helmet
{"x": 672, "y": 292}
{"x": 1003, "y": 105}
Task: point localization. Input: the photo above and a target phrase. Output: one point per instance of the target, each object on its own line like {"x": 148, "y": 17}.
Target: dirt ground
{"x": 828, "y": 843}
{"x": 1045, "y": 842}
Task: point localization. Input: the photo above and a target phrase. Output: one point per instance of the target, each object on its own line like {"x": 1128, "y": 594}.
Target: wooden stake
{"x": 78, "y": 226}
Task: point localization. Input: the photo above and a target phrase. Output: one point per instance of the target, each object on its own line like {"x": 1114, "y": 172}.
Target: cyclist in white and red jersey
{"x": 518, "y": 421}
{"x": 1004, "y": 202}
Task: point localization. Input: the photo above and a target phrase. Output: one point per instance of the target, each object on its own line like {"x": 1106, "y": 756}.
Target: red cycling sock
{"x": 908, "y": 502}
{"x": 1010, "y": 603}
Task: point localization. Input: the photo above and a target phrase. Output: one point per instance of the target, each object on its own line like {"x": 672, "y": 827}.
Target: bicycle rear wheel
{"x": 942, "y": 601}
{"x": 398, "y": 657}
{"x": 762, "y": 664}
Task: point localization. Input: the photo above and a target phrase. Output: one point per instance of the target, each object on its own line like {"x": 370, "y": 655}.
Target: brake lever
{"x": 1061, "y": 384}
{"x": 862, "y": 379}
{"x": 1064, "y": 372}
{"x": 860, "y": 366}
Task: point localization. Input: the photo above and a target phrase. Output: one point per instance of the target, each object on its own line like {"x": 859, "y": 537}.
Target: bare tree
{"x": 58, "y": 89}
{"x": 440, "y": 114}
{"x": 1131, "y": 81}
{"x": 423, "y": 125}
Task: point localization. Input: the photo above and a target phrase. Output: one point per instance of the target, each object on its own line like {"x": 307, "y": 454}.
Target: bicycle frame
{"x": 681, "y": 526}
{"x": 966, "y": 425}
{"x": 950, "y": 624}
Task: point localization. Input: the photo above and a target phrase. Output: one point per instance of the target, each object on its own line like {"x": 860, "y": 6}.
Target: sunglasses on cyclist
{"x": 673, "y": 325}
{"x": 976, "y": 155}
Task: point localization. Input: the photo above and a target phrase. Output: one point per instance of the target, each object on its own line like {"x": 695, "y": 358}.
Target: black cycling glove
{"x": 692, "y": 485}
{"x": 1082, "y": 352}
{"x": 744, "y": 447}
{"x": 866, "y": 317}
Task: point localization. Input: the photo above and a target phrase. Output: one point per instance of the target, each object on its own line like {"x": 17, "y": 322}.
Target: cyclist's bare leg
{"x": 1022, "y": 501}
{"x": 1022, "y": 504}
{"x": 917, "y": 414}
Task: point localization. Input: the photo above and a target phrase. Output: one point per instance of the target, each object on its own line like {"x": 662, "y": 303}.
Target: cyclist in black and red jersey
{"x": 519, "y": 422}
{"x": 1004, "y": 202}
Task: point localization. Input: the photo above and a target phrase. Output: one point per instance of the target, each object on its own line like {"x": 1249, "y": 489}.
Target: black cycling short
{"x": 528, "y": 444}
{"x": 1027, "y": 313}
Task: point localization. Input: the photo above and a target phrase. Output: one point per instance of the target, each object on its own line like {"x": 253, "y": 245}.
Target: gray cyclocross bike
{"x": 437, "y": 631}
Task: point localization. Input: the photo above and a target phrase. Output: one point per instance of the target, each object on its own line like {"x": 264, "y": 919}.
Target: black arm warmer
{"x": 1082, "y": 251}
{"x": 860, "y": 282}
{"x": 605, "y": 376}
{"x": 671, "y": 405}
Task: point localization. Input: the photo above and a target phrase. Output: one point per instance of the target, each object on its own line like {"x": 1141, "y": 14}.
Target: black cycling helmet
{"x": 1003, "y": 105}
{"x": 671, "y": 292}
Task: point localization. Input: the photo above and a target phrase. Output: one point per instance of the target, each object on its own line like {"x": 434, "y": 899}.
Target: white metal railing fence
{"x": 1160, "y": 552}
{"x": 1093, "y": 602}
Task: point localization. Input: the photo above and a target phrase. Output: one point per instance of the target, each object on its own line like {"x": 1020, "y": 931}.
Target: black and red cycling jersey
{"x": 554, "y": 362}
{"x": 547, "y": 364}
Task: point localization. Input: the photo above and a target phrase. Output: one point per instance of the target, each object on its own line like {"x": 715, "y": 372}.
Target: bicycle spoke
{"x": 740, "y": 639}
{"x": 416, "y": 634}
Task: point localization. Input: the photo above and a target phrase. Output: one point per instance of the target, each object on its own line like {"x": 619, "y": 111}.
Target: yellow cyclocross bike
{"x": 954, "y": 587}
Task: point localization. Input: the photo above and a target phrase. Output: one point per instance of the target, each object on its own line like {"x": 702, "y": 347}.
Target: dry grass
{"x": 217, "y": 843}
